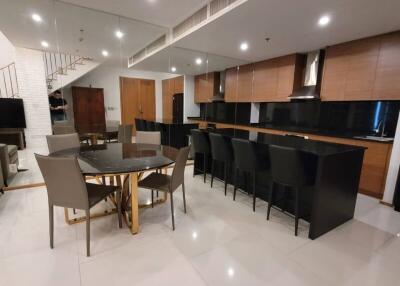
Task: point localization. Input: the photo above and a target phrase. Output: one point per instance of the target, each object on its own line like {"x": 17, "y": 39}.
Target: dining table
{"x": 126, "y": 162}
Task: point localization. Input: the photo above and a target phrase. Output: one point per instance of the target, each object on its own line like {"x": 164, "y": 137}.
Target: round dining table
{"x": 122, "y": 159}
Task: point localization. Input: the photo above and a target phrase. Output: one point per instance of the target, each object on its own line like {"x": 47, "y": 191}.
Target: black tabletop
{"x": 305, "y": 145}
{"x": 117, "y": 158}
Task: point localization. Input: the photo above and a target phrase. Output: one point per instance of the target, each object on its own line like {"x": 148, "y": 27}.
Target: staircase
{"x": 8, "y": 81}
{"x": 63, "y": 69}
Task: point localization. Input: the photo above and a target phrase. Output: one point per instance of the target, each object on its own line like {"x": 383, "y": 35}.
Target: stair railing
{"x": 9, "y": 81}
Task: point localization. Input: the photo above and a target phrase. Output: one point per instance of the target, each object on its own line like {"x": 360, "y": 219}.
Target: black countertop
{"x": 170, "y": 121}
{"x": 315, "y": 131}
{"x": 314, "y": 147}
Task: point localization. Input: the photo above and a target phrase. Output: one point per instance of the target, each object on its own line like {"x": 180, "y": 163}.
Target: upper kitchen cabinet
{"x": 276, "y": 79}
{"x": 205, "y": 87}
{"x": 245, "y": 83}
{"x": 366, "y": 69}
{"x": 178, "y": 84}
{"x": 169, "y": 88}
{"x": 387, "y": 77}
{"x": 231, "y": 80}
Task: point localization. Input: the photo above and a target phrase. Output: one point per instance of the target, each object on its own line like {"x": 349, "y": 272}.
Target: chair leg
{"x": 87, "y": 233}
{"x": 254, "y": 191}
{"x": 270, "y": 198}
{"x": 184, "y": 197}
{"x": 74, "y": 211}
{"x": 152, "y": 198}
{"x": 297, "y": 206}
{"x": 51, "y": 225}
{"x": 119, "y": 199}
{"x": 204, "y": 166}
{"x": 172, "y": 210}
{"x": 235, "y": 183}
{"x": 212, "y": 172}
{"x": 226, "y": 165}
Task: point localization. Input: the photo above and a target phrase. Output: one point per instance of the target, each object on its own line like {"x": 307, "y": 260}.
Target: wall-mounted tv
{"x": 12, "y": 114}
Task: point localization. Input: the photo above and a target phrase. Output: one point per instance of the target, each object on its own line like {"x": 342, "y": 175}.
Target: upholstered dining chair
{"x": 67, "y": 188}
{"x": 148, "y": 137}
{"x": 125, "y": 133}
{"x": 60, "y": 142}
{"x": 169, "y": 183}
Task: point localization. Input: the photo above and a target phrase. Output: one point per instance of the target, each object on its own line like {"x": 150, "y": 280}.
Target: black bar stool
{"x": 201, "y": 144}
{"x": 221, "y": 151}
{"x": 246, "y": 160}
{"x": 289, "y": 170}
{"x": 150, "y": 126}
{"x": 140, "y": 125}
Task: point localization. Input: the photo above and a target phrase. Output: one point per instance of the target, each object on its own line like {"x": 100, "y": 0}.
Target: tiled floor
{"x": 218, "y": 242}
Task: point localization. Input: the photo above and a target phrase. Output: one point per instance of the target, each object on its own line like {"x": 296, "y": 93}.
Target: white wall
{"x": 7, "y": 51}
{"x": 33, "y": 91}
{"x": 108, "y": 78}
{"x": 189, "y": 107}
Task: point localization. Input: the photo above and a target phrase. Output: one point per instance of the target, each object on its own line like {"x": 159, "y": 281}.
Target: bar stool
{"x": 288, "y": 170}
{"x": 201, "y": 145}
{"x": 246, "y": 161}
{"x": 221, "y": 151}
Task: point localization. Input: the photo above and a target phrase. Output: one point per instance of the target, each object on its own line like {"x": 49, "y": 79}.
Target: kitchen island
{"x": 336, "y": 168}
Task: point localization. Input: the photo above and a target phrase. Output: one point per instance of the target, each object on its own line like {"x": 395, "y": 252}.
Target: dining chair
{"x": 169, "y": 183}
{"x": 289, "y": 170}
{"x": 67, "y": 188}
{"x": 148, "y": 137}
{"x": 125, "y": 133}
{"x": 60, "y": 142}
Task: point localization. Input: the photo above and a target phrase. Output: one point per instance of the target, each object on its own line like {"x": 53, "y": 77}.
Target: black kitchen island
{"x": 336, "y": 167}
{"x": 174, "y": 134}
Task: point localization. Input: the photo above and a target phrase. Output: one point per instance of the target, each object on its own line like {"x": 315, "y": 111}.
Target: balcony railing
{"x": 8, "y": 81}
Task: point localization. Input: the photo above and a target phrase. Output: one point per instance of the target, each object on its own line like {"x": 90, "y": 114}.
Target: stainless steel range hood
{"x": 220, "y": 95}
{"x": 312, "y": 77}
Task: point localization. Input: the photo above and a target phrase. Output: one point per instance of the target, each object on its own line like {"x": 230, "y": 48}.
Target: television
{"x": 12, "y": 114}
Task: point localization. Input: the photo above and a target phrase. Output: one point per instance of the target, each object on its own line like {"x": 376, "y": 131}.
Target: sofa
{"x": 8, "y": 156}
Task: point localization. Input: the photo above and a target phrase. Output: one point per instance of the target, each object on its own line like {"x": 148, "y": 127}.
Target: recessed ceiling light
{"x": 199, "y": 61}
{"x": 44, "y": 44}
{"x": 173, "y": 69}
{"x": 324, "y": 20}
{"x": 104, "y": 53}
{"x": 36, "y": 18}
{"x": 244, "y": 46}
{"x": 119, "y": 34}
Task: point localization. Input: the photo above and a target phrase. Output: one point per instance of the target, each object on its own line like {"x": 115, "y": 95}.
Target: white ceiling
{"x": 99, "y": 30}
{"x": 291, "y": 26}
{"x": 161, "y": 12}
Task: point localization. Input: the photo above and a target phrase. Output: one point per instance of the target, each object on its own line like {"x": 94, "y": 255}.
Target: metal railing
{"x": 59, "y": 64}
{"x": 8, "y": 81}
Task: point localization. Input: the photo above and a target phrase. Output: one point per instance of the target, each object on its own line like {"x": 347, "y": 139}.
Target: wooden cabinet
{"x": 387, "y": 77}
{"x": 366, "y": 69}
{"x": 266, "y": 81}
{"x": 205, "y": 87}
{"x": 231, "y": 80}
{"x": 169, "y": 88}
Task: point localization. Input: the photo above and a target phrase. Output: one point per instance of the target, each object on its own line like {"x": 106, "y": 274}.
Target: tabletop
{"x": 120, "y": 158}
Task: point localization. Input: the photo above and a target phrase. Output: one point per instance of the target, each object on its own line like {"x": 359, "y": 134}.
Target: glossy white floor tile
{"x": 218, "y": 242}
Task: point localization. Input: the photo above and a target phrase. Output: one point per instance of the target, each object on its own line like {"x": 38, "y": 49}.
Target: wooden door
{"x": 167, "y": 93}
{"x": 89, "y": 112}
{"x": 137, "y": 100}
{"x": 147, "y": 99}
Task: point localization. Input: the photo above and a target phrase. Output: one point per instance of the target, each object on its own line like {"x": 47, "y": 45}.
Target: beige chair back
{"x": 60, "y": 129}
{"x": 125, "y": 133}
{"x": 178, "y": 174}
{"x": 60, "y": 142}
{"x": 64, "y": 181}
{"x": 148, "y": 137}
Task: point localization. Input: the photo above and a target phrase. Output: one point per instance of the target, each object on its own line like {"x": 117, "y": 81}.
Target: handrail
{"x": 12, "y": 79}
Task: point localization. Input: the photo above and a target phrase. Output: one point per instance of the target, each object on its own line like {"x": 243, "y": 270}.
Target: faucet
{"x": 383, "y": 124}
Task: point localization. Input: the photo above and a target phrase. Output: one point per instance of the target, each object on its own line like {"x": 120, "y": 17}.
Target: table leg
{"x": 134, "y": 203}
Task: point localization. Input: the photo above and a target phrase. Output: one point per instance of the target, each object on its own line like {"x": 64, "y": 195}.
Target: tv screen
{"x": 12, "y": 114}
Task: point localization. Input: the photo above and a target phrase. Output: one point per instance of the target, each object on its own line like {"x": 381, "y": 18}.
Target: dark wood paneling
{"x": 89, "y": 112}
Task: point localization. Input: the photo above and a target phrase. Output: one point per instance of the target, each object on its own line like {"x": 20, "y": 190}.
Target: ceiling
{"x": 290, "y": 25}
{"x": 160, "y": 12}
{"x": 61, "y": 27}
